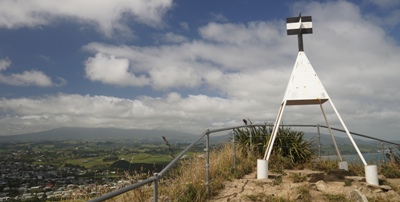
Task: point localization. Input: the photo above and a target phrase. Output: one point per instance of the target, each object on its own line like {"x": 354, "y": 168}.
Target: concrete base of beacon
{"x": 343, "y": 165}
{"x": 371, "y": 174}
{"x": 262, "y": 169}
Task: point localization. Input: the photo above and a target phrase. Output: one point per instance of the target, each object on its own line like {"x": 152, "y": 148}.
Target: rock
{"x": 313, "y": 186}
{"x": 315, "y": 176}
{"x": 384, "y": 188}
{"x": 334, "y": 175}
{"x": 365, "y": 190}
{"x": 355, "y": 178}
{"x": 321, "y": 186}
{"x": 357, "y": 196}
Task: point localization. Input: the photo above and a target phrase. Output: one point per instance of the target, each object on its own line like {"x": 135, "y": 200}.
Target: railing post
{"x": 251, "y": 140}
{"x": 155, "y": 191}
{"x": 207, "y": 164}
{"x": 383, "y": 154}
{"x": 319, "y": 142}
{"x": 234, "y": 151}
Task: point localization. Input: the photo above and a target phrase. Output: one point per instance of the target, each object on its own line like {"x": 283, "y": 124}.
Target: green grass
{"x": 304, "y": 193}
{"x": 336, "y": 197}
{"x": 297, "y": 177}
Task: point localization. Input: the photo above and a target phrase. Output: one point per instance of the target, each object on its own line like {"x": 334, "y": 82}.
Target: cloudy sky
{"x": 193, "y": 65}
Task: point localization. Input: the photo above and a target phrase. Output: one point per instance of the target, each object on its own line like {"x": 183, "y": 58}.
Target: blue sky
{"x": 193, "y": 65}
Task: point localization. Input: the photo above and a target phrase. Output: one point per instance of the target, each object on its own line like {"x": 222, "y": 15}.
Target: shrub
{"x": 290, "y": 149}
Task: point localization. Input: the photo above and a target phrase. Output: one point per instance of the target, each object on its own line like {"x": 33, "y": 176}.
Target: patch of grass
{"x": 378, "y": 199}
{"x": 357, "y": 169}
{"x": 265, "y": 198}
{"x": 255, "y": 197}
{"x": 336, "y": 197}
{"x": 347, "y": 183}
{"x": 303, "y": 193}
{"x": 325, "y": 165}
{"x": 297, "y": 177}
{"x": 187, "y": 183}
{"x": 390, "y": 170}
{"x": 277, "y": 181}
{"x": 260, "y": 183}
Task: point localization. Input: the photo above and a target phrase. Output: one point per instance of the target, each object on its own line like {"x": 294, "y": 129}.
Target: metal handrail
{"x": 206, "y": 133}
{"x": 163, "y": 171}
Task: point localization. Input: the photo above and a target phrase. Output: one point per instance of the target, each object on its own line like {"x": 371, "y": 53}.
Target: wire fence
{"x": 206, "y": 134}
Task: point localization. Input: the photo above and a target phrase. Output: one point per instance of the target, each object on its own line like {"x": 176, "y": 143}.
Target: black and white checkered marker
{"x": 299, "y": 26}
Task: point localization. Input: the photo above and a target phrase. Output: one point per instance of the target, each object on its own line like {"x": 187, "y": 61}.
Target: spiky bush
{"x": 259, "y": 136}
{"x": 289, "y": 149}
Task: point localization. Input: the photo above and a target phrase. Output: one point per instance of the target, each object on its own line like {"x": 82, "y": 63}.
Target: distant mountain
{"x": 154, "y": 136}
{"x": 101, "y": 134}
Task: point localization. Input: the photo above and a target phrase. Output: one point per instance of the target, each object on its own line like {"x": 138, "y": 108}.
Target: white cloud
{"x": 4, "y": 64}
{"x": 170, "y": 112}
{"x": 184, "y": 25}
{"x": 107, "y": 16}
{"x": 190, "y": 64}
{"x": 173, "y": 38}
{"x": 246, "y": 66}
{"x": 27, "y": 78}
{"x": 218, "y": 17}
{"x": 111, "y": 70}
{"x": 385, "y": 3}
{"x": 354, "y": 57}
{"x": 172, "y": 76}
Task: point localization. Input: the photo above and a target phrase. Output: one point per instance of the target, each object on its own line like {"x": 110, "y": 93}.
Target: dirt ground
{"x": 316, "y": 186}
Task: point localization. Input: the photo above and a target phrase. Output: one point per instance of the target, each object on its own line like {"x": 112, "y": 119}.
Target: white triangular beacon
{"x": 304, "y": 85}
{"x": 305, "y": 88}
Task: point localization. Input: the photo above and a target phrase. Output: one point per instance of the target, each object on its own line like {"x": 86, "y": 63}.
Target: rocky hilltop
{"x": 306, "y": 185}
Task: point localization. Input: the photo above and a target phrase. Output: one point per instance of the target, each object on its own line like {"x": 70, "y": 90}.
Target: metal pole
{"x": 330, "y": 132}
{"x": 208, "y": 164}
{"x": 383, "y": 153}
{"x": 319, "y": 142}
{"x": 155, "y": 192}
{"x": 300, "y": 41}
{"x": 348, "y": 134}
{"x": 274, "y": 132}
{"x": 251, "y": 140}
{"x": 234, "y": 151}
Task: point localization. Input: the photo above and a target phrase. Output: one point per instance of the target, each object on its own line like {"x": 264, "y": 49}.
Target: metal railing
{"x": 155, "y": 178}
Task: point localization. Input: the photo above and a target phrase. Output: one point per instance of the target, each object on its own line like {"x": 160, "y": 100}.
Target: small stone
{"x": 385, "y": 187}
{"x": 321, "y": 186}
{"x": 357, "y": 196}
{"x": 313, "y": 186}
{"x": 365, "y": 190}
